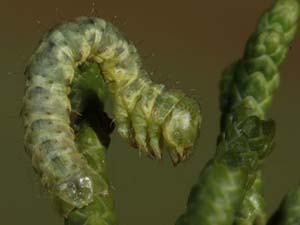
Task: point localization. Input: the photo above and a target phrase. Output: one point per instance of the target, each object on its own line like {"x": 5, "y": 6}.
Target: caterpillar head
{"x": 181, "y": 129}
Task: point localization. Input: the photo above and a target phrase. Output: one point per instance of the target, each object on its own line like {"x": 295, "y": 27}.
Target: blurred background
{"x": 185, "y": 44}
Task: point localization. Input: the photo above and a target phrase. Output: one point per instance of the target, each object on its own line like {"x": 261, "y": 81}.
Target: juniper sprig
{"x": 246, "y": 90}
{"x": 247, "y": 86}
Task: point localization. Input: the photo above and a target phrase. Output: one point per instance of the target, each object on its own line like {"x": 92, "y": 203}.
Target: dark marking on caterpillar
{"x": 146, "y": 114}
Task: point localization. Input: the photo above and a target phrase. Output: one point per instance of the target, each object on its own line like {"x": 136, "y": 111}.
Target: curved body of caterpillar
{"x": 221, "y": 187}
{"x": 247, "y": 86}
{"x": 289, "y": 210}
{"x": 171, "y": 117}
{"x": 92, "y": 128}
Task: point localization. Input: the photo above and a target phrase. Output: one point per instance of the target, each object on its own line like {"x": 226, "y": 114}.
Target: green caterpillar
{"x": 147, "y": 115}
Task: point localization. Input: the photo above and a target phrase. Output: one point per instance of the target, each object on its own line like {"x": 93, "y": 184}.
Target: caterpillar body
{"x": 145, "y": 113}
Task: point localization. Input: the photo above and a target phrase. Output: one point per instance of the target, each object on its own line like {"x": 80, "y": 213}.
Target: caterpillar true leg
{"x": 161, "y": 109}
{"x": 184, "y": 117}
{"x": 141, "y": 116}
{"x": 139, "y": 125}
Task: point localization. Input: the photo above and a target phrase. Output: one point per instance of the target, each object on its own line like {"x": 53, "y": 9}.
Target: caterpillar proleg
{"x": 146, "y": 114}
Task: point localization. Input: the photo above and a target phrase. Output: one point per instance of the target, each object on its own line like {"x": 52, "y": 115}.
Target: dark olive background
{"x": 186, "y": 44}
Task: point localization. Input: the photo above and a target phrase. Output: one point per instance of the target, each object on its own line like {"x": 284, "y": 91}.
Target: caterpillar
{"x": 146, "y": 114}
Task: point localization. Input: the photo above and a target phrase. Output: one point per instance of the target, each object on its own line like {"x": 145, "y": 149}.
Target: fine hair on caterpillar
{"x": 146, "y": 114}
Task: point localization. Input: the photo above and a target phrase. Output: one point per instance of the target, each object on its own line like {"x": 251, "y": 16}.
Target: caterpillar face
{"x": 181, "y": 128}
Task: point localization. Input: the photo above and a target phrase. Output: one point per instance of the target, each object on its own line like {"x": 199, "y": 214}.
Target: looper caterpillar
{"x": 146, "y": 114}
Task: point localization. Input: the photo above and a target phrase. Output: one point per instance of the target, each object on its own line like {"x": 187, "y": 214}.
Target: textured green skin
{"x": 253, "y": 209}
{"x": 248, "y": 85}
{"x": 214, "y": 198}
{"x": 222, "y": 184}
{"x": 289, "y": 210}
